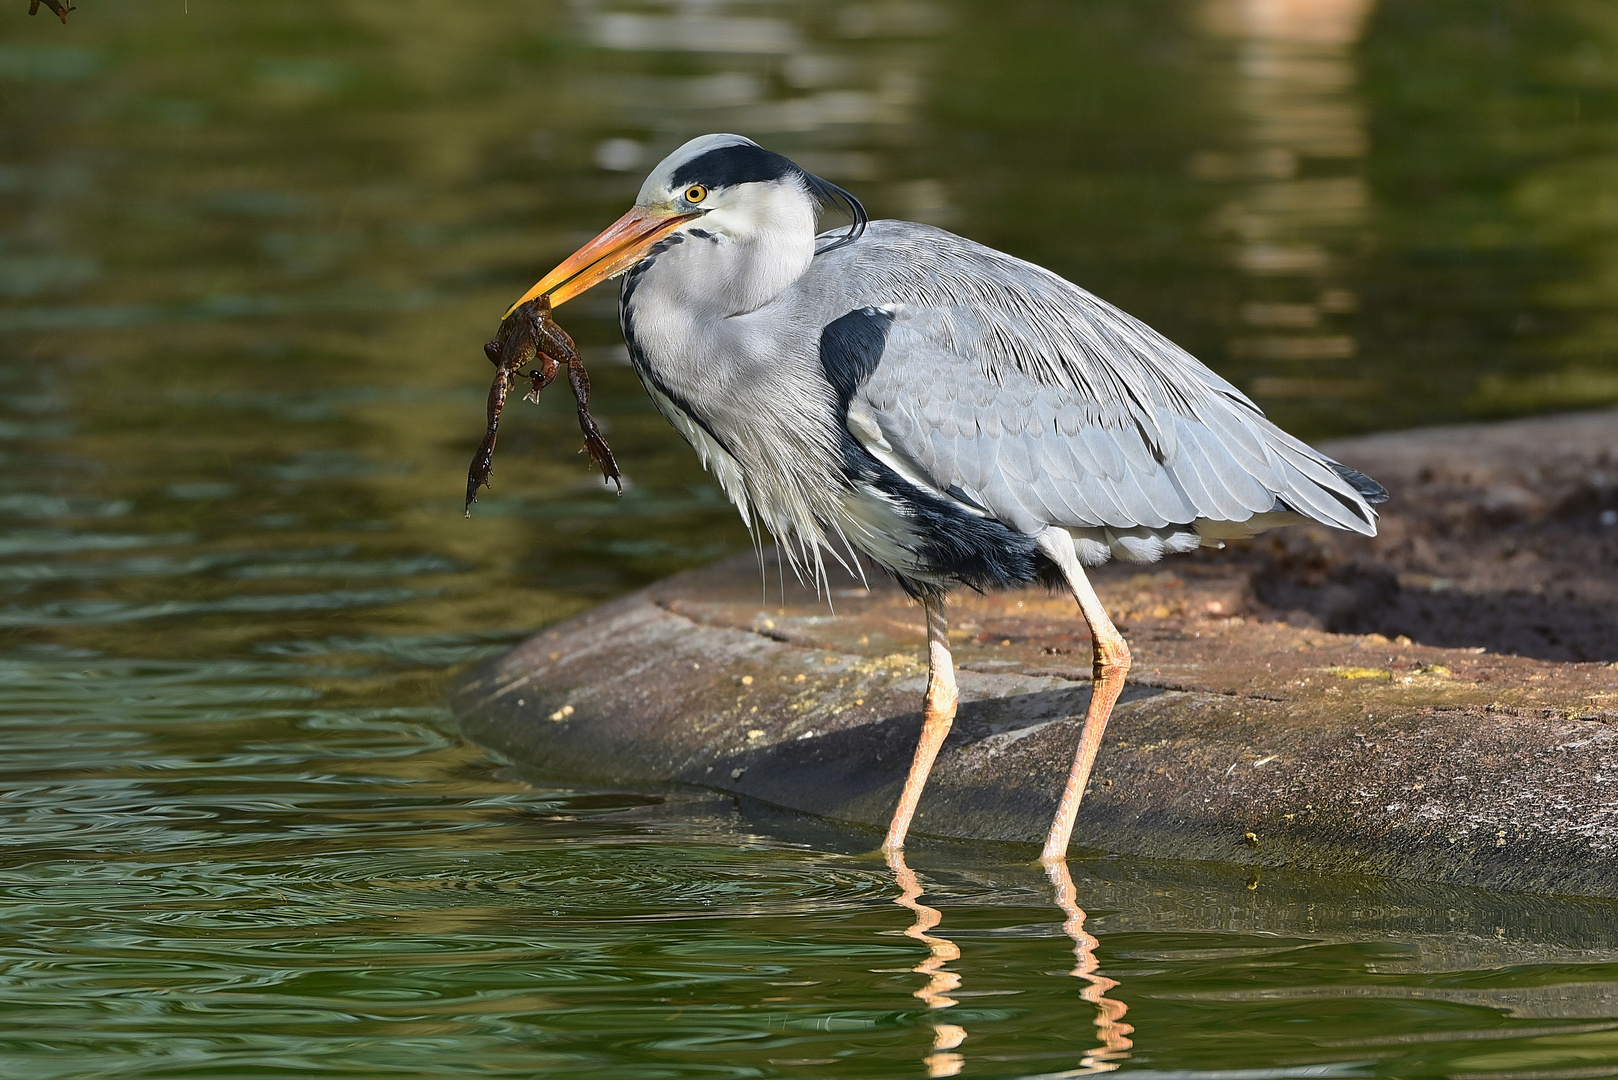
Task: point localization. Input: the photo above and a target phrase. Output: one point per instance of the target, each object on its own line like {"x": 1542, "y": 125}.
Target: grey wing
{"x": 1011, "y": 390}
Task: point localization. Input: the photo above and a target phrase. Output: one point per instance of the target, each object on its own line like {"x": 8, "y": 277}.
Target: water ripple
{"x": 92, "y": 612}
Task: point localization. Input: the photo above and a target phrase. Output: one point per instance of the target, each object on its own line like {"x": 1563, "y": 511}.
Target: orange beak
{"x": 623, "y": 244}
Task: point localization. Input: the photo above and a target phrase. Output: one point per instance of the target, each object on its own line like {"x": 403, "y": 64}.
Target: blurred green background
{"x": 255, "y": 246}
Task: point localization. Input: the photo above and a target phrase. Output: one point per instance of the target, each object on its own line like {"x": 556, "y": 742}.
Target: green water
{"x": 248, "y": 251}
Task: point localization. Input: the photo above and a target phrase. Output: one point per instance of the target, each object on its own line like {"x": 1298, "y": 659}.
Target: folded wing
{"x": 1017, "y": 393}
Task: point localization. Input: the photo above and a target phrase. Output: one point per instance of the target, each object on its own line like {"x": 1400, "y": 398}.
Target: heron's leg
{"x": 1111, "y": 665}
{"x": 938, "y": 713}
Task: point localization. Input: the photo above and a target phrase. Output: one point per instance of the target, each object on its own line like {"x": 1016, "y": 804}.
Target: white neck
{"x": 752, "y": 250}
{"x": 693, "y": 313}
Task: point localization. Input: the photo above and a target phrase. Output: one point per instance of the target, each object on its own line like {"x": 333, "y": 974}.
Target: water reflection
{"x": 842, "y": 87}
{"x": 1113, "y": 1041}
{"x": 1301, "y": 204}
{"x": 1111, "y": 1031}
{"x": 942, "y": 1061}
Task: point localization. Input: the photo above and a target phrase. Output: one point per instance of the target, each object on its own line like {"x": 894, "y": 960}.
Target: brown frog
{"x": 529, "y": 335}
{"x": 57, "y": 6}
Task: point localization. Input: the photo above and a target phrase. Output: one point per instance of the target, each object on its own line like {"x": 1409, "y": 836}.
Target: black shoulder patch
{"x": 851, "y": 348}
{"x": 1371, "y": 491}
{"x": 978, "y": 552}
{"x": 727, "y": 166}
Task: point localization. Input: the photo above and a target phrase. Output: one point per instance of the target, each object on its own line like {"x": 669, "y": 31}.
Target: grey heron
{"x": 960, "y": 417}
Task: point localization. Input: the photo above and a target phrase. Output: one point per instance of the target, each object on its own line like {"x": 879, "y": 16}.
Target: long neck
{"x": 690, "y": 307}
{"x": 721, "y": 358}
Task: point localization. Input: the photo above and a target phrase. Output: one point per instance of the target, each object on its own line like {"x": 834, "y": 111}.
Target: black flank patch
{"x": 954, "y": 491}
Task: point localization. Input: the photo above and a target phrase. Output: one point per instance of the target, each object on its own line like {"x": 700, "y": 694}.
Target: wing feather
{"x": 1236, "y": 494}
{"x": 1052, "y": 407}
{"x": 1104, "y": 450}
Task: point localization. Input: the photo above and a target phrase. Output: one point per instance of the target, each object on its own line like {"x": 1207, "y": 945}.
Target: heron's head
{"x": 752, "y": 212}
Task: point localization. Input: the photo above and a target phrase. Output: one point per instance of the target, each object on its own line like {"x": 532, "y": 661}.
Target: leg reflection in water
{"x": 943, "y": 1061}
{"x": 1110, "y": 1028}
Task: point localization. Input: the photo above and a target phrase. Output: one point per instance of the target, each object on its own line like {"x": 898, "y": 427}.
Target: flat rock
{"x": 1438, "y": 703}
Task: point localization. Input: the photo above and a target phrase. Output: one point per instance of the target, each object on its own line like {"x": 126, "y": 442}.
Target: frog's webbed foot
{"x": 483, "y": 460}
{"x": 61, "y": 9}
{"x": 594, "y": 444}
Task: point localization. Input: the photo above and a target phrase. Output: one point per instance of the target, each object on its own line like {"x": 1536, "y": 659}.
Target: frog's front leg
{"x": 546, "y": 367}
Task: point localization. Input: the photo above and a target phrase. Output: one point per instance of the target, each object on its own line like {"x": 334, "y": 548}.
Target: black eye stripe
{"x": 746, "y": 163}
{"x": 727, "y": 166}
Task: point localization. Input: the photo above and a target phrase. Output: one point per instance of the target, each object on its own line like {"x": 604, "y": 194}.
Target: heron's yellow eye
{"x": 695, "y": 193}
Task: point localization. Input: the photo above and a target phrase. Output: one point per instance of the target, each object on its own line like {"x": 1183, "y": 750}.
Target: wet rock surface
{"x": 1503, "y": 536}
{"x": 1437, "y": 703}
